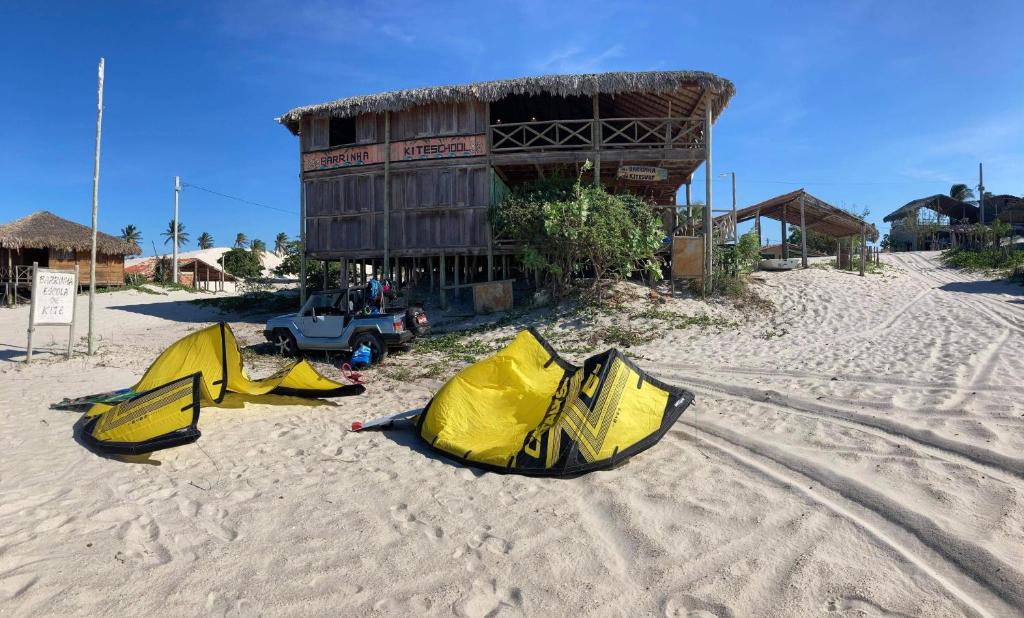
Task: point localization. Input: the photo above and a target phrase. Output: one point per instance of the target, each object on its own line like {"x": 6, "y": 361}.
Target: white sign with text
{"x": 53, "y": 296}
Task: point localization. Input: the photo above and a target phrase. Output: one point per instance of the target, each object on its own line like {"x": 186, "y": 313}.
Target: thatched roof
{"x": 819, "y": 215}
{"x": 560, "y": 85}
{"x": 45, "y": 230}
{"x": 942, "y": 204}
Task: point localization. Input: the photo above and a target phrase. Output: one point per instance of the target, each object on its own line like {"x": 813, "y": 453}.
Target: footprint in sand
{"x": 140, "y": 536}
{"x": 486, "y": 598}
{"x": 407, "y": 520}
{"x": 208, "y": 518}
{"x": 416, "y": 605}
{"x": 861, "y": 607}
{"x": 481, "y": 540}
{"x": 686, "y": 606}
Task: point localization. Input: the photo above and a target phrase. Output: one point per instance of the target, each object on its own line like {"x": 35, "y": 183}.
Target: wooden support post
{"x": 430, "y": 271}
{"x": 839, "y": 254}
{"x": 387, "y": 191}
{"x": 757, "y": 227}
{"x": 783, "y": 245}
{"x": 689, "y": 210}
{"x": 302, "y": 231}
{"x": 490, "y": 196}
{"x": 444, "y": 293}
{"x": 863, "y": 246}
{"x": 31, "y": 317}
{"x": 195, "y": 274}
{"x": 709, "y": 268}
{"x": 458, "y": 291}
{"x": 803, "y": 235}
{"x": 595, "y": 138}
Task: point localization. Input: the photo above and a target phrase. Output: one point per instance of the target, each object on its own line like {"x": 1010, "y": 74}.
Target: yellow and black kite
{"x": 162, "y": 410}
{"x": 528, "y": 411}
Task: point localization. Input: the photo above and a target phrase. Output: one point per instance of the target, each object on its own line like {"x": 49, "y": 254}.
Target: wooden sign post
{"x": 53, "y": 303}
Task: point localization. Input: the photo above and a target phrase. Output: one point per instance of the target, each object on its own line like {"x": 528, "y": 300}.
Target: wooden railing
{"x": 606, "y": 133}
{"x": 544, "y": 135}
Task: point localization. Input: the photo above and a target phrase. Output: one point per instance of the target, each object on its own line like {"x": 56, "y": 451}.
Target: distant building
{"x": 54, "y": 242}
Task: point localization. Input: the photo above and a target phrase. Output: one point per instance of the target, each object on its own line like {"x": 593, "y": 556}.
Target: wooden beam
{"x": 595, "y": 138}
{"x": 803, "y": 235}
{"x": 708, "y": 219}
{"x": 387, "y": 192}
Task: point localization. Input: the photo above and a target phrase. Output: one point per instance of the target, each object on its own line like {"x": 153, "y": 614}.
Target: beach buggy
{"x": 352, "y": 320}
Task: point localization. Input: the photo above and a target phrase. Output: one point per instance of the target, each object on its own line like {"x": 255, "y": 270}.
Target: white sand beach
{"x": 859, "y": 452}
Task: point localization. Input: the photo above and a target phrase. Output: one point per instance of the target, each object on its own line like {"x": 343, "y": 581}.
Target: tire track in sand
{"x": 995, "y": 464}
{"x": 968, "y": 571}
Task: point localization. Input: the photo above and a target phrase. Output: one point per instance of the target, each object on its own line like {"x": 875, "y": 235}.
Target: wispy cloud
{"x": 575, "y": 59}
{"x": 397, "y": 33}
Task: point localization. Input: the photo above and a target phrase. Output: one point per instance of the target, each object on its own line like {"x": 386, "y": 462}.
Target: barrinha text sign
{"x": 643, "y": 173}
{"x": 53, "y": 296}
{"x": 409, "y": 150}
{"x": 440, "y": 148}
{"x": 342, "y": 157}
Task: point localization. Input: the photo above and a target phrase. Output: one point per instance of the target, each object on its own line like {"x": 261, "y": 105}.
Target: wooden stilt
{"x": 803, "y": 235}
{"x": 444, "y": 293}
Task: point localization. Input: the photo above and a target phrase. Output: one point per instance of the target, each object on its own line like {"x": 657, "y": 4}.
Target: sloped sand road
{"x": 859, "y": 452}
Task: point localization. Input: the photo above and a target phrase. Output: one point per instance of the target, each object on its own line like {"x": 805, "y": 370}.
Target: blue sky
{"x": 866, "y": 104}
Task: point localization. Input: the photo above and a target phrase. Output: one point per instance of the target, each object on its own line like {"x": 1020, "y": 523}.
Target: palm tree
{"x": 205, "y": 241}
{"x": 280, "y": 243}
{"x": 168, "y": 234}
{"x": 131, "y": 234}
{"x": 240, "y": 240}
{"x": 961, "y": 192}
{"x": 258, "y": 246}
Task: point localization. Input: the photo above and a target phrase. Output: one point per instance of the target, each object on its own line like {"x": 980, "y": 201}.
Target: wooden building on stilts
{"x": 400, "y": 183}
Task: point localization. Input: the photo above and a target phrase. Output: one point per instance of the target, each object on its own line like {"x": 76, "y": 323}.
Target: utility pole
{"x": 708, "y": 223}
{"x": 981, "y": 195}
{"x": 174, "y": 238}
{"x": 95, "y": 210}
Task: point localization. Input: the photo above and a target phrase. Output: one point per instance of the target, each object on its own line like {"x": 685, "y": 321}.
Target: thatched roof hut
{"x": 45, "y": 230}
{"x": 586, "y": 84}
{"x": 942, "y": 204}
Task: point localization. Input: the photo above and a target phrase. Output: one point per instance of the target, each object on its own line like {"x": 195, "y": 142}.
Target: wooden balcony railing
{"x": 607, "y": 133}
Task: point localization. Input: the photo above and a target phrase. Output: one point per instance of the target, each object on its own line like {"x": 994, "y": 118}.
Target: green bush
{"x": 983, "y": 259}
{"x": 569, "y": 229}
{"x": 242, "y": 263}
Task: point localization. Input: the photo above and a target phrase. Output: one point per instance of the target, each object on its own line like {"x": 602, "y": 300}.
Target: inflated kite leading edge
{"x": 201, "y": 368}
{"x": 528, "y": 411}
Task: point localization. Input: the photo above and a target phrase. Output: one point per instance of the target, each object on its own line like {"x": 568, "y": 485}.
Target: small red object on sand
{"x": 356, "y": 426}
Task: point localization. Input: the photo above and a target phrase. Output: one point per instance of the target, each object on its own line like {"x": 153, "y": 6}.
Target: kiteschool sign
{"x": 53, "y": 302}
{"x": 455, "y": 147}
{"x": 439, "y": 148}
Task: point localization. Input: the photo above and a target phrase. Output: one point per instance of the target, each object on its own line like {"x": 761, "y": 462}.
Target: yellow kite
{"x": 162, "y": 410}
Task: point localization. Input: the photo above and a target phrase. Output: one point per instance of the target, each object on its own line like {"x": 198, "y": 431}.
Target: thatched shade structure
{"x": 818, "y": 215}
{"x": 941, "y": 204}
{"x": 405, "y": 179}
{"x": 54, "y": 242}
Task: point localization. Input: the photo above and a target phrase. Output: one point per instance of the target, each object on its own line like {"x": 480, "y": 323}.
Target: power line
{"x": 848, "y": 182}
{"x": 239, "y": 199}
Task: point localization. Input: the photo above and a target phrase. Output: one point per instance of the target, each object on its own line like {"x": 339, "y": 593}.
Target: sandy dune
{"x": 861, "y": 452}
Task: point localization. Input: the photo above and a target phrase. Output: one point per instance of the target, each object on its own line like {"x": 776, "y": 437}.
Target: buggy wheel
{"x": 378, "y": 349}
{"x": 285, "y": 343}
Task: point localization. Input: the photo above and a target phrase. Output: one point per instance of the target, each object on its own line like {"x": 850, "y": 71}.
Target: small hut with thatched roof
{"x": 53, "y": 242}
{"x": 403, "y": 180}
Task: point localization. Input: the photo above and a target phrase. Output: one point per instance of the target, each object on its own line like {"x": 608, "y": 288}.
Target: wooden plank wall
{"x": 435, "y": 205}
{"x": 109, "y": 268}
{"x": 432, "y": 120}
{"x": 442, "y": 206}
